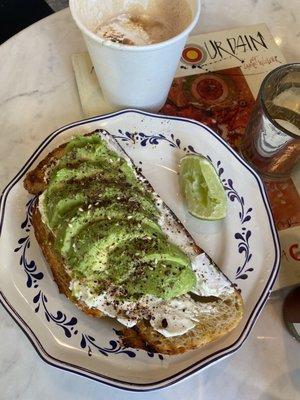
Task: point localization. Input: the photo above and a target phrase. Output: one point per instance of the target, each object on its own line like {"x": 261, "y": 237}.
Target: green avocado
{"x": 67, "y": 198}
{"x": 81, "y": 221}
{"x": 167, "y": 280}
{"x": 106, "y": 225}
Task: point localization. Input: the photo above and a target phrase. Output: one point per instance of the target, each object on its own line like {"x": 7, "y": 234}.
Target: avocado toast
{"x": 115, "y": 249}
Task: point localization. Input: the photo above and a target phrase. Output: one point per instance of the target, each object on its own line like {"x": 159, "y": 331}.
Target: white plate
{"x": 244, "y": 245}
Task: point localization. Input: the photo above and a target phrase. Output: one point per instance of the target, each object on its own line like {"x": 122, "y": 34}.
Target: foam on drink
{"x": 126, "y": 30}
{"x": 140, "y": 26}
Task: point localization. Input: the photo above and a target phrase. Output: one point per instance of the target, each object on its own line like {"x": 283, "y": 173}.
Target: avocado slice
{"x": 65, "y": 204}
{"x": 84, "y": 170}
{"x": 63, "y": 207}
{"x": 92, "y": 152}
{"x": 167, "y": 280}
{"x": 113, "y": 213}
{"x": 95, "y": 258}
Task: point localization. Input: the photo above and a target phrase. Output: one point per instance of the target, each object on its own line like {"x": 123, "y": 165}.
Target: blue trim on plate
{"x": 192, "y": 368}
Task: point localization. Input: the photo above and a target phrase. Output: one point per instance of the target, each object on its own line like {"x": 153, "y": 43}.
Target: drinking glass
{"x": 271, "y": 143}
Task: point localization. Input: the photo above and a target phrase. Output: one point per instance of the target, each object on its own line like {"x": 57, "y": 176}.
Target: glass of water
{"x": 271, "y": 143}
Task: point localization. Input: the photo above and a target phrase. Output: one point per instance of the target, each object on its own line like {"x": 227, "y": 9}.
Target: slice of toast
{"x": 227, "y": 310}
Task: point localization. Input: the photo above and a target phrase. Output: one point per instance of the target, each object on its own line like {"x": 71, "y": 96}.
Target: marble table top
{"x": 38, "y": 94}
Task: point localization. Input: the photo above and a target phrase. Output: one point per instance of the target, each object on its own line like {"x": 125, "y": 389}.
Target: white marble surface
{"x": 37, "y": 95}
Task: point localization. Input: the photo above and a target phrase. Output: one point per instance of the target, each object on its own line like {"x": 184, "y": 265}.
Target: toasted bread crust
{"x": 145, "y": 337}
{"x": 230, "y": 308}
{"x": 35, "y": 181}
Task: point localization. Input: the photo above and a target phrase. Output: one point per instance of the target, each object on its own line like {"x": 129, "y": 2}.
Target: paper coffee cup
{"x": 131, "y": 76}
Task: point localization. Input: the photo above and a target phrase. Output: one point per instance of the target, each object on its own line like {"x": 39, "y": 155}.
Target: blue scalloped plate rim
{"x": 190, "y": 370}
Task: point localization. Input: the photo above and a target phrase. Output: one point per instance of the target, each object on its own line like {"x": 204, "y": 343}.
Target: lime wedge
{"x": 202, "y": 188}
